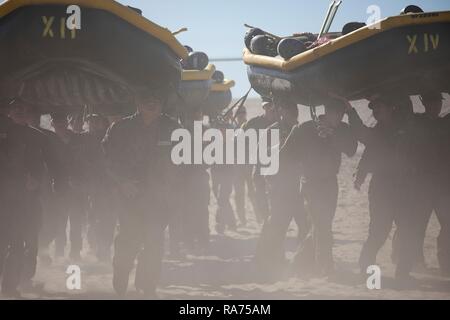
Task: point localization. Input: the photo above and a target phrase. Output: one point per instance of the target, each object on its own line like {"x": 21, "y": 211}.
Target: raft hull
{"x": 406, "y": 60}
{"x": 216, "y": 102}
{"x": 191, "y": 93}
{"x": 100, "y": 65}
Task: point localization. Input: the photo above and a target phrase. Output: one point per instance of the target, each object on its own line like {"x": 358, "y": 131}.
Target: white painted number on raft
{"x": 48, "y": 28}
{"x": 430, "y": 42}
{"x": 71, "y": 23}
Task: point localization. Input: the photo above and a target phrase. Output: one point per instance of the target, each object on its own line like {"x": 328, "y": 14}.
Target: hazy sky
{"x": 216, "y": 27}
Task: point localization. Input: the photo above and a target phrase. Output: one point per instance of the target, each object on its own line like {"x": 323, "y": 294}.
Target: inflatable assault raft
{"x": 195, "y": 86}
{"x": 407, "y": 53}
{"x": 219, "y": 98}
{"x": 60, "y": 69}
{"x": 206, "y": 89}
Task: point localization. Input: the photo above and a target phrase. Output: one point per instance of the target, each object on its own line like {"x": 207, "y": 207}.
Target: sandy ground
{"x": 229, "y": 273}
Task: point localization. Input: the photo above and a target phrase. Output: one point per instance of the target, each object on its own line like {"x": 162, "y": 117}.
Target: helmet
{"x": 352, "y": 26}
{"x": 332, "y": 103}
{"x": 377, "y": 101}
{"x": 411, "y": 9}
{"x": 431, "y": 96}
{"x": 284, "y": 103}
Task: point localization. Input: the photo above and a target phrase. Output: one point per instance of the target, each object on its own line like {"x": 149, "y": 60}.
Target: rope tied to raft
{"x": 179, "y": 31}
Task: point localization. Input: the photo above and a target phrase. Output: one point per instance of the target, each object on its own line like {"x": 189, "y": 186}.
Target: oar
{"x": 239, "y": 102}
{"x": 331, "y": 13}
{"x": 267, "y": 33}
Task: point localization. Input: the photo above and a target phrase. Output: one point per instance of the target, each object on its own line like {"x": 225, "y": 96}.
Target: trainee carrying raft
{"x": 406, "y": 54}
{"x": 114, "y": 52}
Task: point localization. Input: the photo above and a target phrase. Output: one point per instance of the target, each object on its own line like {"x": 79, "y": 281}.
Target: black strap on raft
{"x": 313, "y": 112}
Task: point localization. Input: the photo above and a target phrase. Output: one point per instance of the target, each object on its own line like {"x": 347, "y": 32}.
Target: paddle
{"x": 329, "y": 17}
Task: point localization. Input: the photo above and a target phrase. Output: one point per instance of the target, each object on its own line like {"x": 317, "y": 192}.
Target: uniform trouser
{"x": 32, "y": 228}
{"x": 287, "y": 204}
{"x": 141, "y": 236}
{"x": 321, "y": 197}
{"x": 14, "y": 221}
{"x": 103, "y": 221}
{"x": 6, "y": 213}
{"x": 443, "y": 240}
{"x": 14, "y": 259}
{"x": 22, "y": 241}
{"x": 72, "y": 208}
{"x": 196, "y": 223}
{"x": 261, "y": 197}
{"x": 175, "y": 231}
{"x": 50, "y": 221}
{"x": 3, "y": 239}
{"x": 225, "y": 215}
{"x": 383, "y": 210}
{"x": 243, "y": 178}
{"x": 196, "y": 217}
{"x": 5, "y": 229}
{"x": 409, "y": 221}
{"x": 215, "y": 182}
{"x": 431, "y": 196}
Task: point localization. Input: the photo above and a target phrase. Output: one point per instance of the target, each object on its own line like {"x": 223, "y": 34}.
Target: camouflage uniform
{"x": 380, "y": 158}
{"x": 259, "y": 182}
{"x": 320, "y": 159}
{"x": 286, "y": 203}
{"x": 22, "y": 160}
{"x": 72, "y": 195}
{"x": 224, "y": 175}
{"x": 432, "y": 191}
{"x": 142, "y": 154}
{"x": 102, "y": 197}
{"x": 195, "y": 218}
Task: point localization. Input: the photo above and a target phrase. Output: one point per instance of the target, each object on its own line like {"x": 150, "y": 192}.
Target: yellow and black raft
{"x": 195, "y": 85}
{"x": 201, "y": 89}
{"x": 219, "y": 98}
{"x": 404, "y": 54}
{"x": 60, "y": 55}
